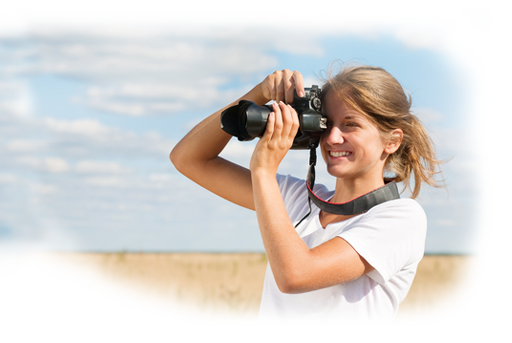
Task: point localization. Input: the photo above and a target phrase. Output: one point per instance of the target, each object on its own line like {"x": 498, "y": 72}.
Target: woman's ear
{"x": 394, "y": 141}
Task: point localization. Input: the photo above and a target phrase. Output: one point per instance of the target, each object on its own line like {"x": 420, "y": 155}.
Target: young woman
{"x": 331, "y": 266}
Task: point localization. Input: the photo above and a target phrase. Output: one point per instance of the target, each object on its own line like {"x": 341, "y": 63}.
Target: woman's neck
{"x": 348, "y": 189}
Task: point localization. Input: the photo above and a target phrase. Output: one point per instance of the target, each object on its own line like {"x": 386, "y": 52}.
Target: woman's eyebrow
{"x": 352, "y": 117}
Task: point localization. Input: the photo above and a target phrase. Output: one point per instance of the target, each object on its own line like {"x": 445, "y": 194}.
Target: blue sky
{"x": 90, "y": 120}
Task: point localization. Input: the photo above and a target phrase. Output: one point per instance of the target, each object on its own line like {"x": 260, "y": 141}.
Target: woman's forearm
{"x": 197, "y": 157}
{"x": 286, "y": 252}
{"x": 204, "y": 142}
{"x": 207, "y": 140}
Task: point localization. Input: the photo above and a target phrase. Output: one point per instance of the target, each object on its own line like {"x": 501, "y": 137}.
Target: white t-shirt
{"x": 390, "y": 237}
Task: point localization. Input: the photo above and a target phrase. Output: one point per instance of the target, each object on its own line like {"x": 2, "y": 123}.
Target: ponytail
{"x": 415, "y": 157}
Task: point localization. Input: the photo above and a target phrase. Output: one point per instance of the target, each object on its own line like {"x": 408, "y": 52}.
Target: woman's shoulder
{"x": 401, "y": 204}
{"x": 399, "y": 211}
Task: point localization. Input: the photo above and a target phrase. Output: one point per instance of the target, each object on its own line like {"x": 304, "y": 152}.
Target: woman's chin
{"x": 336, "y": 172}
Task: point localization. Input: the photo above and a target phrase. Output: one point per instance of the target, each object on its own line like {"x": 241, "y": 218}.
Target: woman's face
{"x": 351, "y": 146}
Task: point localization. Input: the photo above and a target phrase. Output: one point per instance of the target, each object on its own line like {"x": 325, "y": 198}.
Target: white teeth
{"x": 339, "y": 153}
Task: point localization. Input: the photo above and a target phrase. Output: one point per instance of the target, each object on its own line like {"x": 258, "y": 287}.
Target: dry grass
{"x": 233, "y": 282}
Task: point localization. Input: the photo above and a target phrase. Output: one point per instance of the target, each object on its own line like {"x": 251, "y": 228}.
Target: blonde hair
{"x": 376, "y": 94}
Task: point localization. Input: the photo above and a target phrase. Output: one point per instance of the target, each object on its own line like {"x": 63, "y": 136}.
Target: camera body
{"x": 247, "y": 120}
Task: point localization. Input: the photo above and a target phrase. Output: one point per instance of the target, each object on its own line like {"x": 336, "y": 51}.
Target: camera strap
{"x": 355, "y": 206}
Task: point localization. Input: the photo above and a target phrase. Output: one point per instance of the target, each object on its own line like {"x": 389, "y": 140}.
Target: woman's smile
{"x": 336, "y": 154}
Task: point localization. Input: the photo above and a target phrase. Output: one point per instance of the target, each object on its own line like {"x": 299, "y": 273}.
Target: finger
{"x": 290, "y": 124}
{"x": 293, "y": 122}
{"x": 289, "y": 86}
{"x": 278, "y": 125}
{"x": 295, "y": 83}
{"x": 269, "y": 131}
{"x": 296, "y": 121}
{"x": 278, "y": 86}
{"x": 267, "y": 87}
{"x": 299, "y": 83}
{"x": 286, "y": 114}
{"x": 290, "y": 95}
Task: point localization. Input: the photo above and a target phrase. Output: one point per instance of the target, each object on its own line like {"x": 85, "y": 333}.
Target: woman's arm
{"x": 197, "y": 155}
{"x": 296, "y": 268}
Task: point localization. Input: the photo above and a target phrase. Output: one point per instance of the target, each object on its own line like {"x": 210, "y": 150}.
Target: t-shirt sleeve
{"x": 291, "y": 187}
{"x": 389, "y": 237}
{"x": 293, "y": 191}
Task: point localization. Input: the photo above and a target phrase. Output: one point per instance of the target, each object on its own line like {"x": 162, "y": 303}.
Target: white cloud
{"x": 125, "y": 108}
{"x": 100, "y": 167}
{"x": 48, "y": 164}
{"x": 159, "y": 57}
{"x": 428, "y": 116}
{"x": 55, "y": 164}
{"x": 159, "y": 177}
{"x": 26, "y": 145}
{"x": 8, "y": 178}
{"x": 239, "y": 150}
{"x": 446, "y": 222}
{"x": 10, "y": 89}
{"x": 84, "y": 127}
{"x": 46, "y": 189}
{"x": 107, "y": 181}
{"x": 419, "y": 38}
{"x": 138, "y": 99}
{"x": 9, "y": 107}
{"x": 89, "y": 138}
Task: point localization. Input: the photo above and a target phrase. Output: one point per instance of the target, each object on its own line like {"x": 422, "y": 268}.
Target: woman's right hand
{"x": 279, "y": 86}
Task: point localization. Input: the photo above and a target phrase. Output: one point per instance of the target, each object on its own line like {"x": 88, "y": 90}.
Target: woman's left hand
{"x": 282, "y": 127}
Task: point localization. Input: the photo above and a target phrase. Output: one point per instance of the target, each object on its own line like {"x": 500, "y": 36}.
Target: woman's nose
{"x": 334, "y": 136}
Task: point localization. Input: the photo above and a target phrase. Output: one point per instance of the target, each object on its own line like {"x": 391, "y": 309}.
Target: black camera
{"x": 248, "y": 120}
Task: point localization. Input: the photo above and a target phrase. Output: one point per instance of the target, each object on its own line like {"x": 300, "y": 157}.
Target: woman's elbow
{"x": 290, "y": 284}
{"x": 177, "y": 158}
{"x": 173, "y": 155}
{"x": 287, "y": 289}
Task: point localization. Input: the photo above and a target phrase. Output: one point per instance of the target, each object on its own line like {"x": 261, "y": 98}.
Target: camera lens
{"x": 247, "y": 120}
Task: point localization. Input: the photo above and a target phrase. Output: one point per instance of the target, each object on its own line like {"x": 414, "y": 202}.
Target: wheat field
{"x": 232, "y": 282}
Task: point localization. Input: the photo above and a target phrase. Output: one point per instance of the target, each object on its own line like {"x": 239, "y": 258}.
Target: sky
{"x": 89, "y": 117}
